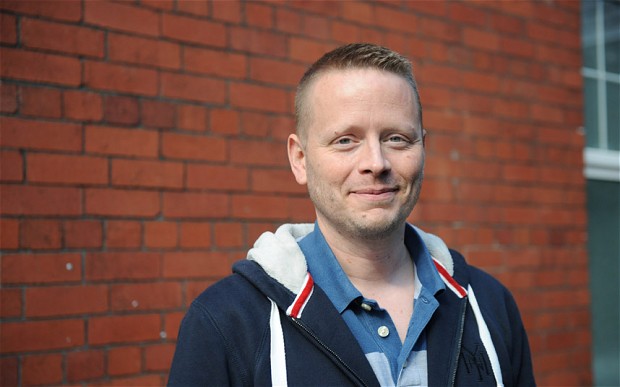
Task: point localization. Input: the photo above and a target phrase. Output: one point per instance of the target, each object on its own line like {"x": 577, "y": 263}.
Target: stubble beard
{"x": 356, "y": 225}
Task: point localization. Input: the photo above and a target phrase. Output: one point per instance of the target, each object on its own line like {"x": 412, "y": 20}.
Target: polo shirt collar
{"x": 329, "y": 275}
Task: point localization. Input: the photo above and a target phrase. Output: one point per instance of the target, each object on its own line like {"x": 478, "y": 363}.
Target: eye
{"x": 344, "y": 142}
{"x": 397, "y": 139}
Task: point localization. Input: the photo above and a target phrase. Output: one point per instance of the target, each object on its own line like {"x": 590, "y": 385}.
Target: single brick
{"x": 217, "y": 177}
{"x": 143, "y": 51}
{"x": 117, "y": 266}
{"x": 193, "y": 30}
{"x": 53, "y": 168}
{"x": 122, "y": 16}
{"x": 152, "y": 296}
{"x": 40, "y": 234}
{"x": 12, "y": 166}
{"x": 40, "y": 268}
{"x": 121, "y": 110}
{"x": 124, "y": 79}
{"x": 192, "y": 117}
{"x": 10, "y": 303}
{"x": 121, "y": 142}
{"x": 38, "y": 67}
{"x": 123, "y": 234}
{"x": 258, "y": 42}
{"x": 196, "y": 265}
{"x": 158, "y": 357}
{"x": 212, "y": 62}
{"x": 160, "y": 235}
{"x": 66, "y": 300}
{"x": 70, "y": 11}
{"x": 82, "y": 105}
{"x": 195, "y": 205}
{"x": 141, "y": 173}
{"x": 116, "y": 202}
{"x": 8, "y": 97}
{"x": 42, "y": 369}
{"x": 156, "y": 114}
{"x": 62, "y": 38}
{"x": 83, "y": 234}
{"x": 195, "y": 235}
{"x": 9, "y": 234}
{"x": 124, "y": 360}
{"x": 8, "y": 29}
{"x": 41, "y": 135}
{"x": 124, "y": 329}
{"x": 41, "y": 335}
{"x": 193, "y": 147}
{"x": 34, "y": 200}
{"x": 259, "y": 98}
{"x": 192, "y": 88}
{"x": 85, "y": 365}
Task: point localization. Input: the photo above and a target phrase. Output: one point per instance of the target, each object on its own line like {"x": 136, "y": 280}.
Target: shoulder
{"x": 467, "y": 274}
{"x": 232, "y": 295}
{"x": 502, "y": 317}
{"x": 232, "y": 310}
{"x": 490, "y": 291}
{"x": 495, "y": 301}
{"x": 226, "y": 328}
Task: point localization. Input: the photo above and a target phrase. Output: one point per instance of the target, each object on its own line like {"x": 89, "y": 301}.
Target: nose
{"x": 373, "y": 159}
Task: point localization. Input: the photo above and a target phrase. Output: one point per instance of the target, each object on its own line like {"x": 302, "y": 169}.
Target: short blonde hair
{"x": 355, "y": 55}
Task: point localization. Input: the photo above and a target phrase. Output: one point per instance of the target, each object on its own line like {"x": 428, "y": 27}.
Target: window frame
{"x": 601, "y": 163}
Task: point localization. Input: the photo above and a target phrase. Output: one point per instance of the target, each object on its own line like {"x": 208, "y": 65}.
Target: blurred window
{"x": 601, "y": 75}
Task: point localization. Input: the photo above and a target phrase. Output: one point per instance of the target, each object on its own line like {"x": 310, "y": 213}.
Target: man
{"x": 361, "y": 297}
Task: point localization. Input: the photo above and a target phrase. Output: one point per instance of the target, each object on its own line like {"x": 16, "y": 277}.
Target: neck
{"x": 366, "y": 261}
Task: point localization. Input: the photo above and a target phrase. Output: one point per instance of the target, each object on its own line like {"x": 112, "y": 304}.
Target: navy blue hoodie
{"x": 243, "y": 329}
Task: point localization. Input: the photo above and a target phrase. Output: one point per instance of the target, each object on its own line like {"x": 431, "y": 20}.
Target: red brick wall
{"x": 143, "y": 151}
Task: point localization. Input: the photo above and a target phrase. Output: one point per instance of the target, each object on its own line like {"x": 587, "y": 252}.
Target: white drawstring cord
{"x": 485, "y": 336}
{"x": 277, "y": 351}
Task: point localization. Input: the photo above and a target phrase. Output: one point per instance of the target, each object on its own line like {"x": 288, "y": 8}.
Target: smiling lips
{"x": 380, "y": 193}
{"x": 375, "y": 191}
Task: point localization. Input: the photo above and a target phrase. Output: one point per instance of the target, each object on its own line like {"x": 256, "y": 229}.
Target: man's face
{"x": 363, "y": 155}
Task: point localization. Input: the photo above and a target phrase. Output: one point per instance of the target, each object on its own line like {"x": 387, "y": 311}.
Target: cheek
{"x": 327, "y": 171}
{"x": 412, "y": 167}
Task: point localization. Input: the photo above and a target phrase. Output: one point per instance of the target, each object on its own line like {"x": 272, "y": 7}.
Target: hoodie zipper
{"x": 459, "y": 342}
{"x": 324, "y": 346}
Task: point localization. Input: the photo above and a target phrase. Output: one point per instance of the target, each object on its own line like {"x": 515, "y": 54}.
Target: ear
{"x": 424, "y": 137}
{"x": 297, "y": 158}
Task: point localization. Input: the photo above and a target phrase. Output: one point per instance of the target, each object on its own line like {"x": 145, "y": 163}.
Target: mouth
{"x": 376, "y": 193}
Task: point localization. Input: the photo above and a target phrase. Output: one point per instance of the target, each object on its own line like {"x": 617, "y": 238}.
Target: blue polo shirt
{"x": 394, "y": 363}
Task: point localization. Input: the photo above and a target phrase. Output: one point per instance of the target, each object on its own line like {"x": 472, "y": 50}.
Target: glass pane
{"x": 613, "y": 116}
{"x": 588, "y": 33}
{"x": 591, "y": 111}
{"x": 612, "y": 36}
{"x": 604, "y": 249}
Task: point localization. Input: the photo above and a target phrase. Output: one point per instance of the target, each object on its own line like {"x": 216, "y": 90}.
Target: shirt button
{"x": 366, "y": 307}
{"x": 383, "y": 331}
{"x": 424, "y": 300}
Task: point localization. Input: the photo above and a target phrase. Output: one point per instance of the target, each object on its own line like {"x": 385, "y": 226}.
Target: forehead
{"x": 336, "y": 91}
{"x": 356, "y": 82}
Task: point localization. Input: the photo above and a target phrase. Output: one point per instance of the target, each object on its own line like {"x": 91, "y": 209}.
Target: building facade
{"x": 143, "y": 151}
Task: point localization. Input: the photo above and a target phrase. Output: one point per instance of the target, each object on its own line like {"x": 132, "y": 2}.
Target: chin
{"x": 375, "y": 229}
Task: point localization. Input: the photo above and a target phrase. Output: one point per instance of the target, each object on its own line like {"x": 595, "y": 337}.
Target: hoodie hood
{"x": 280, "y": 256}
